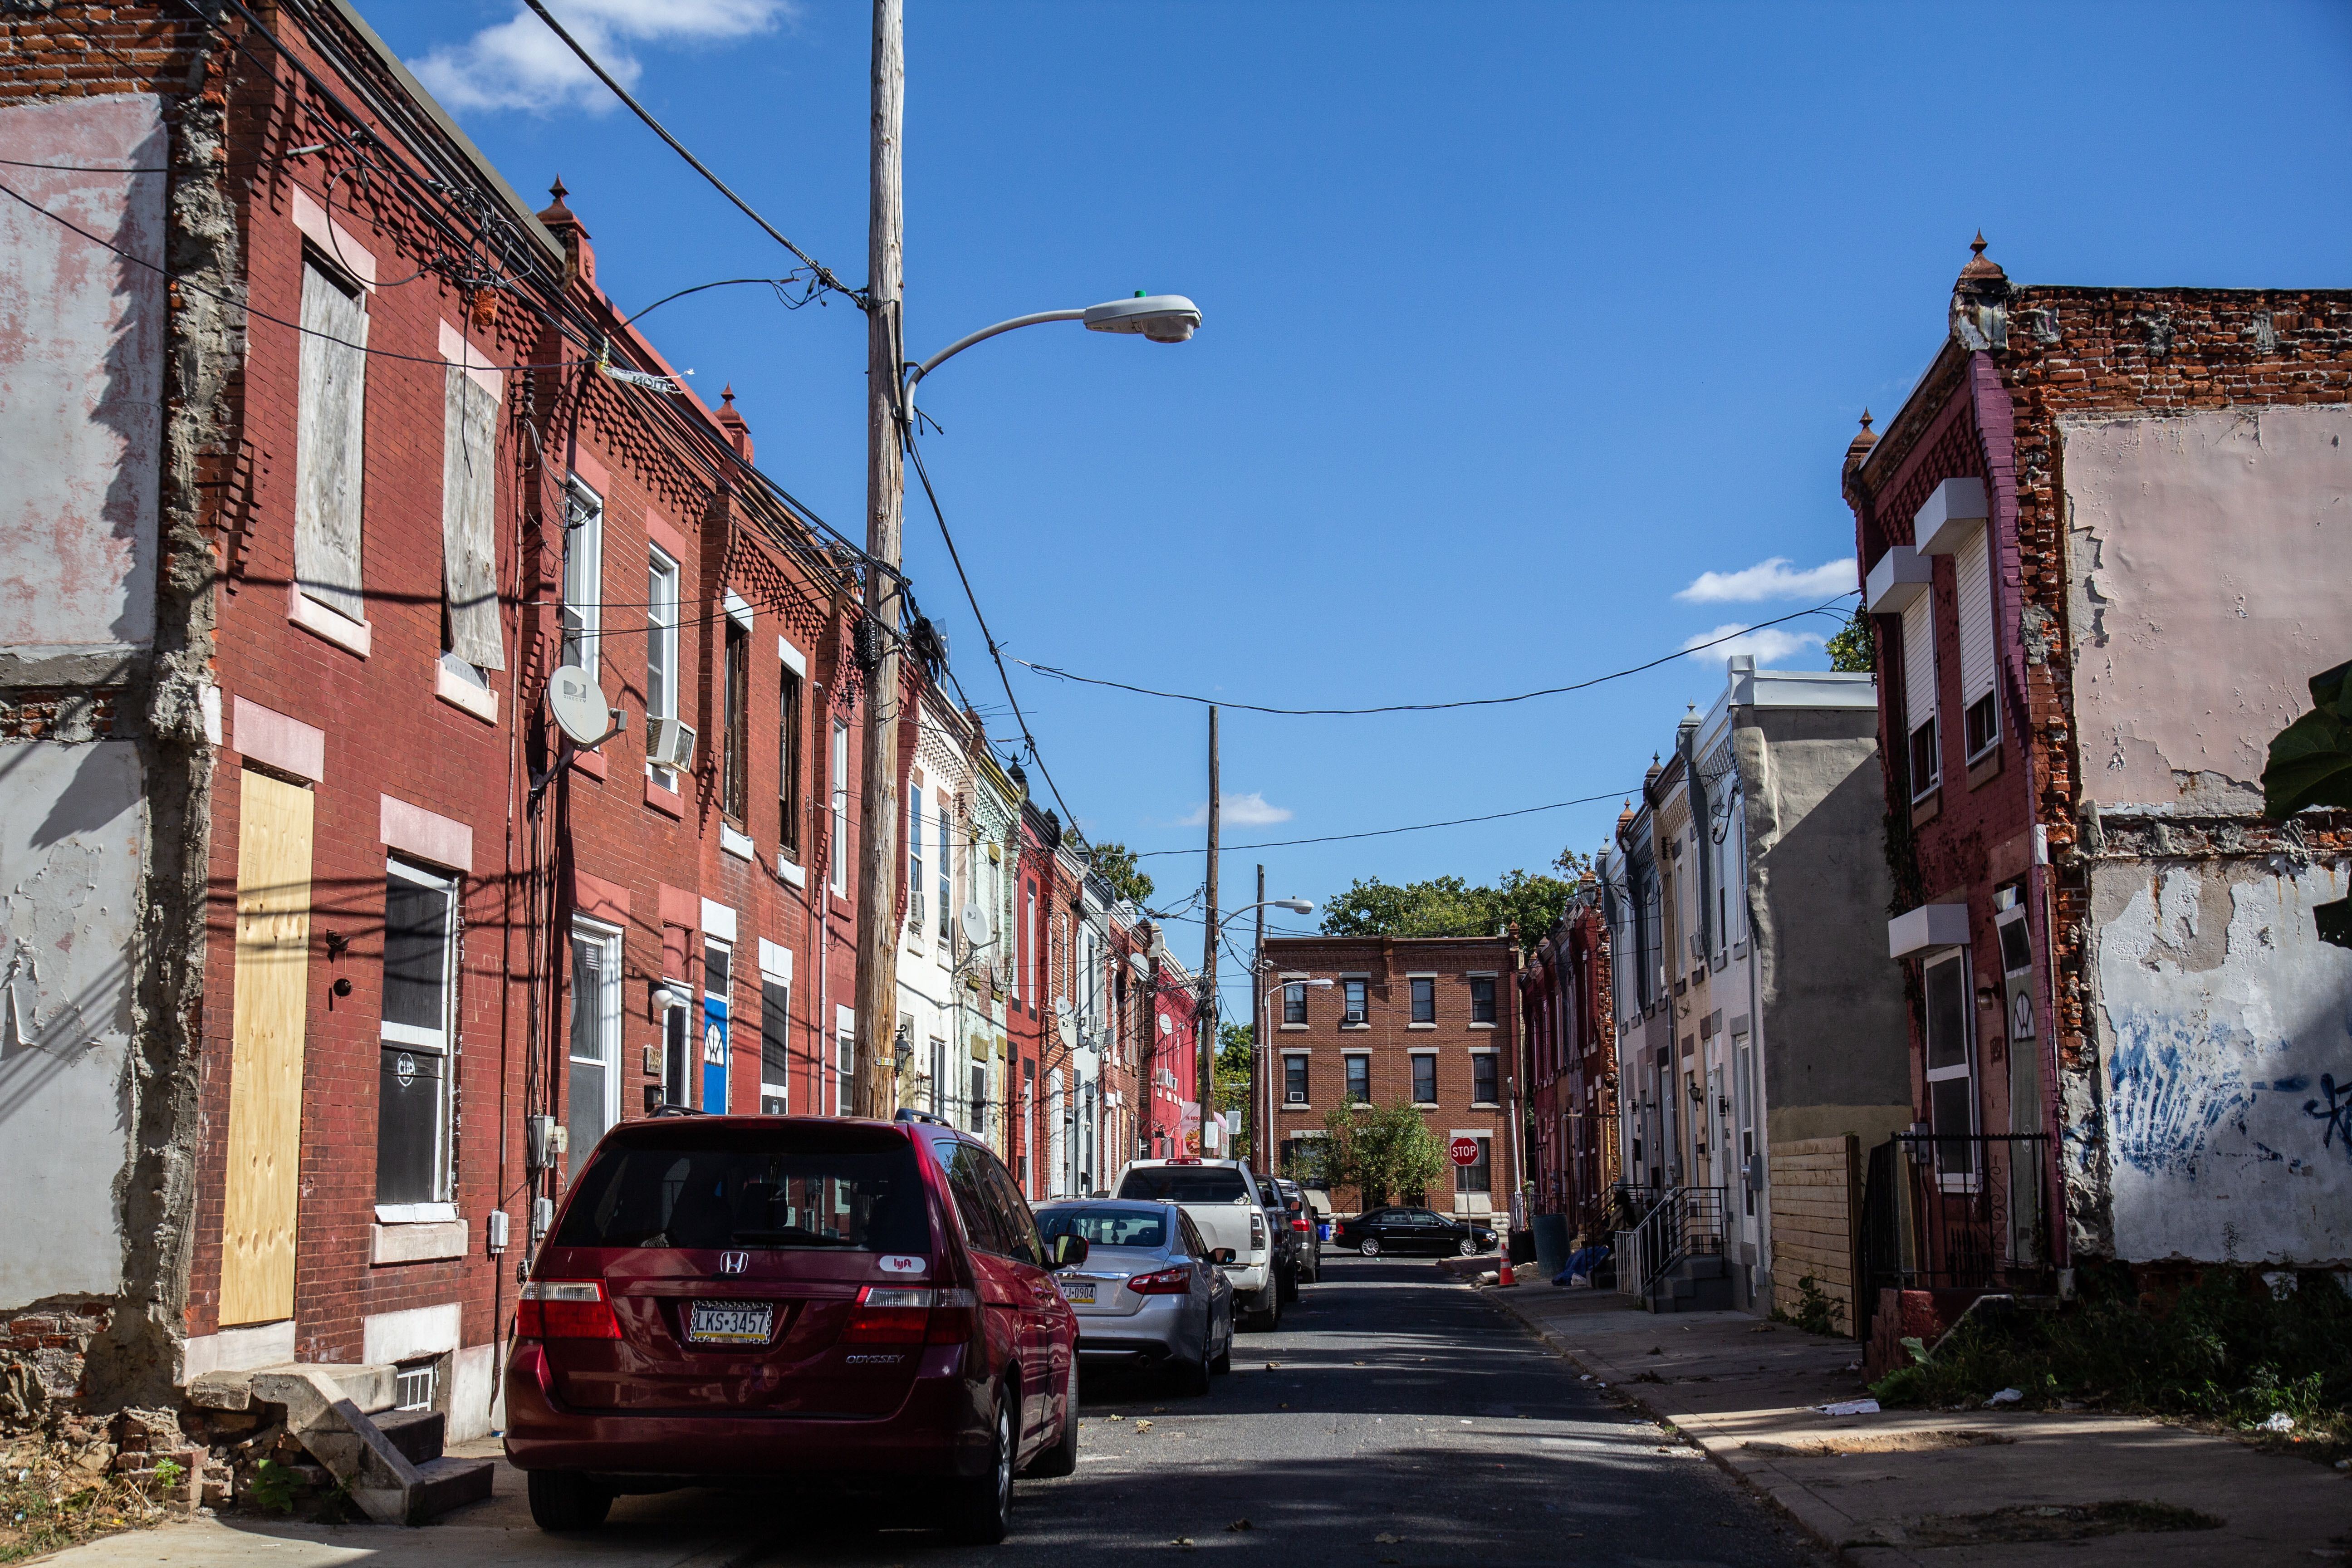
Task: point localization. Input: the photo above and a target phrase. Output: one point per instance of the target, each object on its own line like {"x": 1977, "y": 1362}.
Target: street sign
{"x": 1465, "y": 1151}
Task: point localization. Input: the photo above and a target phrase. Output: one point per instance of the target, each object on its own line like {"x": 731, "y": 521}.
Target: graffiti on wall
{"x": 2220, "y": 1012}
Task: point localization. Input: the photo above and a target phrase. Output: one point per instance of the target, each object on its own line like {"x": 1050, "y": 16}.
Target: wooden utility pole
{"x": 1260, "y": 1128}
{"x": 886, "y": 485}
{"x": 1208, "y": 1013}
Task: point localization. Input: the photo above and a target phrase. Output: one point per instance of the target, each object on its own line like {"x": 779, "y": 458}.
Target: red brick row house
{"x": 1571, "y": 1067}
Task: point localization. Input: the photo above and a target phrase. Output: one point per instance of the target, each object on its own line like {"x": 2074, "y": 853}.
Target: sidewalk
{"x": 674, "y": 1530}
{"x": 1938, "y": 1489}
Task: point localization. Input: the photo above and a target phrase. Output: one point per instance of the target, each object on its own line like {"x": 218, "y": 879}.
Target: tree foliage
{"x": 2311, "y": 765}
{"x": 1115, "y": 864}
{"x": 1851, "y": 648}
{"x": 1448, "y": 906}
{"x": 1382, "y": 1151}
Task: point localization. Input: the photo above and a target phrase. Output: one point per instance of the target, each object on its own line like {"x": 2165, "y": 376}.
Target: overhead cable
{"x": 823, "y": 273}
{"x": 1059, "y": 674}
{"x": 1385, "y": 832}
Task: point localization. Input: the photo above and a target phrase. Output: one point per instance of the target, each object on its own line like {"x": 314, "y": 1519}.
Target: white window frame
{"x": 1362, "y": 1020}
{"x": 441, "y": 1042}
{"x": 1963, "y": 1180}
{"x": 1414, "y": 1058}
{"x": 915, "y": 912}
{"x": 1413, "y": 983}
{"x": 1347, "y": 1060}
{"x": 607, "y": 1019}
{"x": 782, "y": 980}
{"x": 837, "y": 854}
{"x": 1306, "y": 1060}
{"x": 1471, "y": 980}
{"x": 945, "y": 876}
{"x": 663, "y": 585}
{"x": 583, "y": 576}
{"x": 844, "y": 1057}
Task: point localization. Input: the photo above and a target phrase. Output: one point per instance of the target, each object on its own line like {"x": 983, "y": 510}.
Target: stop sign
{"x": 1465, "y": 1151}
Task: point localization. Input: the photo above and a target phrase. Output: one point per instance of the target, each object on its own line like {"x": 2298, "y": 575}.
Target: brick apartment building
{"x": 1431, "y": 1020}
{"x": 2104, "y": 547}
{"x": 1570, "y": 1069}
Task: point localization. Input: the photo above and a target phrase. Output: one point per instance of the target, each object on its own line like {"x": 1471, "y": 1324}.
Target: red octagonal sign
{"x": 1465, "y": 1151}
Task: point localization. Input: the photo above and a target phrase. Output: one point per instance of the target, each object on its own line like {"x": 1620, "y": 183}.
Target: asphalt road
{"x": 1394, "y": 1418}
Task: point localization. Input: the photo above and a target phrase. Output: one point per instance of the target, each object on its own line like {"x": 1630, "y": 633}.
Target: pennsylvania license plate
{"x": 730, "y": 1322}
{"x": 1080, "y": 1292}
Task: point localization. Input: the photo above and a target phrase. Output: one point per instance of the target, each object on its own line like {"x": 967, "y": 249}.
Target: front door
{"x": 266, "y": 1034}
{"x": 717, "y": 959}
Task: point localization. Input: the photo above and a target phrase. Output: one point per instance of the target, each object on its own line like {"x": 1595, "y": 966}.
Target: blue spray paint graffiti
{"x": 2168, "y": 1095}
{"x": 2335, "y": 1109}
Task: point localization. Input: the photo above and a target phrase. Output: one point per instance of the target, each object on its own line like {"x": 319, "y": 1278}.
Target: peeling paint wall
{"x": 2206, "y": 568}
{"x": 69, "y": 873}
{"x": 81, "y": 376}
{"x": 2224, "y": 1032}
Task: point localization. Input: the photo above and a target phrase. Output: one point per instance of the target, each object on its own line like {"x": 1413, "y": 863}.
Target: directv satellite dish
{"x": 975, "y": 925}
{"x": 576, "y": 703}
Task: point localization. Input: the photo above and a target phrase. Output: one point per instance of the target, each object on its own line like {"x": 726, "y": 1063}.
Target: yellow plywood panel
{"x": 265, "y": 1097}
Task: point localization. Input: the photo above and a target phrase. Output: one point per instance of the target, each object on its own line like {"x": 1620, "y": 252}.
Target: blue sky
{"x": 1518, "y": 319}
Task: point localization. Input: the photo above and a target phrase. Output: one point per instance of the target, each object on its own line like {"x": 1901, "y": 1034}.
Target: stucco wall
{"x": 2221, "y": 1024}
{"x": 81, "y": 377}
{"x": 70, "y": 872}
{"x": 2206, "y": 567}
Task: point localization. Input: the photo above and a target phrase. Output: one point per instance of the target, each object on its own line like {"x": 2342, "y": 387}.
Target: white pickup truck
{"x": 1223, "y": 1200}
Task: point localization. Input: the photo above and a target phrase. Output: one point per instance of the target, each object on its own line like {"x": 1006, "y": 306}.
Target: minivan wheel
{"x": 565, "y": 1501}
{"x": 1062, "y": 1459}
{"x": 979, "y": 1512}
{"x": 1370, "y": 1246}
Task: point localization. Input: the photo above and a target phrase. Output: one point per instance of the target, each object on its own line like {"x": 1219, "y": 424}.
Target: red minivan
{"x": 725, "y": 1299}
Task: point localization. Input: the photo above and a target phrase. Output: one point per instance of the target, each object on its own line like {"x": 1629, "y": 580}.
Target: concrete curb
{"x": 1832, "y": 1529}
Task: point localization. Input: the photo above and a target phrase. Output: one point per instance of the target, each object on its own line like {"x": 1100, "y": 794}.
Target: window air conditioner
{"x": 672, "y": 745}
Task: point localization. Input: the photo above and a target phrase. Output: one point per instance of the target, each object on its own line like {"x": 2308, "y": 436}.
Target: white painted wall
{"x": 71, "y": 834}
{"x": 2206, "y": 566}
{"x": 81, "y": 377}
{"x": 2224, "y": 1029}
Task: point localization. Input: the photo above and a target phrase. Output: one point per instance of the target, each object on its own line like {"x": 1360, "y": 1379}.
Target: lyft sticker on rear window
{"x": 897, "y": 1264}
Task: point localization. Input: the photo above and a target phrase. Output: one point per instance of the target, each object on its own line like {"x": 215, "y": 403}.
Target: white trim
{"x": 239, "y": 1349}
{"x": 433, "y": 1040}
{"x": 478, "y": 366}
{"x": 739, "y": 608}
{"x": 1928, "y": 930}
{"x": 386, "y": 1337}
{"x": 792, "y": 658}
{"x": 736, "y": 843}
{"x": 417, "y": 1242}
{"x": 1952, "y": 510}
{"x": 336, "y": 244}
{"x": 791, "y": 873}
{"x": 717, "y": 921}
{"x": 451, "y": 685}
{"x": 332, "y": 624}
{"x": 1483, "y": 1050}
{"x": 414, "y": 1214}
{"x": 775, "y": 961}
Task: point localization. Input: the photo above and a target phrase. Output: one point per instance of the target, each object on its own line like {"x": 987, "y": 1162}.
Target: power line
{"x": 1385, "y": 832}
{"x": 1059, "y": 674}
{"x": 823, "y": 273}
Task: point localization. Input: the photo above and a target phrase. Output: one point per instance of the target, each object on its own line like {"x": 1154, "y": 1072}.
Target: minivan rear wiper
{"x": 794, "y": 1234}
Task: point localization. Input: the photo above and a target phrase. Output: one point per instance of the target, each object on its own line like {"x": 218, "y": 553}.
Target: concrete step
{"x": 444, "y": 1484}
{"x": 418, "y": 1434}
{"x": 372, "y": 1388}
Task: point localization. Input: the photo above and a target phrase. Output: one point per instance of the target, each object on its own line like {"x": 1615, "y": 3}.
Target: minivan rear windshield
{"x": 710, "y": 1194}
{"x": 1186, "y": 1184}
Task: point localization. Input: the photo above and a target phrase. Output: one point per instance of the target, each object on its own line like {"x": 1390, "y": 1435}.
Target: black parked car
{"x": 1413, "y": 1230}
{"x": 1298, "y": 1258}
{"x": 1299, "y": 1219}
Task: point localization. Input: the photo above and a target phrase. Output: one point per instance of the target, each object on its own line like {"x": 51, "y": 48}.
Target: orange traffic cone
{"x": 1503, "y": 1271}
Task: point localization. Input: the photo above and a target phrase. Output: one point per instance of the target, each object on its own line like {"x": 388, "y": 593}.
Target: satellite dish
{"x": 975, "y": 925}
{"x": 576, "y": 703}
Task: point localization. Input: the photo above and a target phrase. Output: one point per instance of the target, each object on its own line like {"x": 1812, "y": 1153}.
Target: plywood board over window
{"x": 468, "y": 490}
{"x": 264, "y": 1104}
{"x": 329, "y": 424}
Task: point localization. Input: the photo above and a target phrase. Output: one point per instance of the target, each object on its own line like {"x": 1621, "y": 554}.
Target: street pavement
{"x": 1395, "y": 1418}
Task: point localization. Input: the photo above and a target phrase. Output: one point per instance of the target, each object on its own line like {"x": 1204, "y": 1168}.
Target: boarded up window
{"x": 327, "y": 443}
{"x": 468, "y": 493}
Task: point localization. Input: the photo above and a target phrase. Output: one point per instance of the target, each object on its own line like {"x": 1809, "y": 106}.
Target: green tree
{"x": 1235, "y": 1065}
{"x": 1382, "y": 1151}
{"x": 1851, "y": 648}
{"x": 1115, "y": 864}
{"x": 1532, "y": 904}
{"x": 1448, "y": 906}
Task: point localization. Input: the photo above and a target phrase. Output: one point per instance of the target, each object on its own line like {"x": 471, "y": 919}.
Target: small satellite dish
{"x": 975, "y": 925}
{"x": 577, "y": 705}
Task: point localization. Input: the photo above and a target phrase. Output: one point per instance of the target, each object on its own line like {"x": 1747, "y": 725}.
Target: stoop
{"x": 391, "y": 1461}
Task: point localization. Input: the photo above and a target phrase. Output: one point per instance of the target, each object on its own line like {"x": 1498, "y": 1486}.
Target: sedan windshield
{"x": 1108, "y": 1226}
{"x": 1186, "y": 1184}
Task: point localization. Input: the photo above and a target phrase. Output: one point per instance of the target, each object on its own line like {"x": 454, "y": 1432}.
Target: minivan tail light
{"x": 891, "y": 1315}
{"x": 1172, "y": 1281}
{"x": 564, "y": 1310}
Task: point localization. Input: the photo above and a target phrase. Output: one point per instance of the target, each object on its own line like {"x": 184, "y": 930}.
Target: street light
{"x": 1162, "y": 318}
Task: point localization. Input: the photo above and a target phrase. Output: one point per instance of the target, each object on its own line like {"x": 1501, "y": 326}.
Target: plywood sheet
{"x": 265, "y": 1101}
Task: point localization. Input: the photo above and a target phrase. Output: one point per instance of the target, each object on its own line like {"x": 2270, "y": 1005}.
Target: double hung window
{"x": 1478, "y": 1178}
{"x": 420, "y": 932}
{"x": 1424, "y": 1078}
{"x": 838, "y": 851}
{"x": 1294, "y": 1003}
{"x": 788, "y": 768}
{"x": 593, "y": 1092}
{"x": 1359, "y": 1078}
{"x": 1424, "y": 999}
{"x": 1294, "y": 1081}
{"x": 1481, "y": 998}
{"x": 584, "y": 575}
{"x": 915, "y": 861}
{"x": 735, "y": 694}
{"x": 661, "y": 657}
{"x": 1486, "y": 1079}
{"x": 1352, "y": 994}
{"x": 1951, "y": 1091}
{"x": 945, "y": 871}
{"x": 775, "y": 1045}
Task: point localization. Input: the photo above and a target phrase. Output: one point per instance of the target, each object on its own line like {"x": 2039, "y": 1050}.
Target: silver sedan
{"x": 1150, "y": 1292}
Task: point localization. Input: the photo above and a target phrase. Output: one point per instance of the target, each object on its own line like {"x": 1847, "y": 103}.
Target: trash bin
{"x": 1552, "y": 1243}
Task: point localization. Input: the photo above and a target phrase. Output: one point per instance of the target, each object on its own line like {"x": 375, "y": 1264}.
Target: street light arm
{"x": 915, "y": 375}
{"x": 1163, "y": 318}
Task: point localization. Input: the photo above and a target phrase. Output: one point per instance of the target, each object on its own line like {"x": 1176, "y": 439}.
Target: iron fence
{"x": 1959, "y": 1212}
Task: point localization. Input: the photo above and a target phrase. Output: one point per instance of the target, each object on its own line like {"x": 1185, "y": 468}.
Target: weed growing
{"x": 51, "y": 1497}
{"x": 2231, "y": 1347}
{"x": 1817, "y": 1311}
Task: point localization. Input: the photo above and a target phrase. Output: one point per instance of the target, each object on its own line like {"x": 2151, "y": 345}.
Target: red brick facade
{"x": 1571, "y": 1067}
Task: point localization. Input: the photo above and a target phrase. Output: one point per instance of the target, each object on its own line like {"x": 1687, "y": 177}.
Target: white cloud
{"x": 1770, "y": 644}
{"x": 1250, "y": 810}
{"x": 520, "y": 64}
{"x": 1770, "y": 580}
